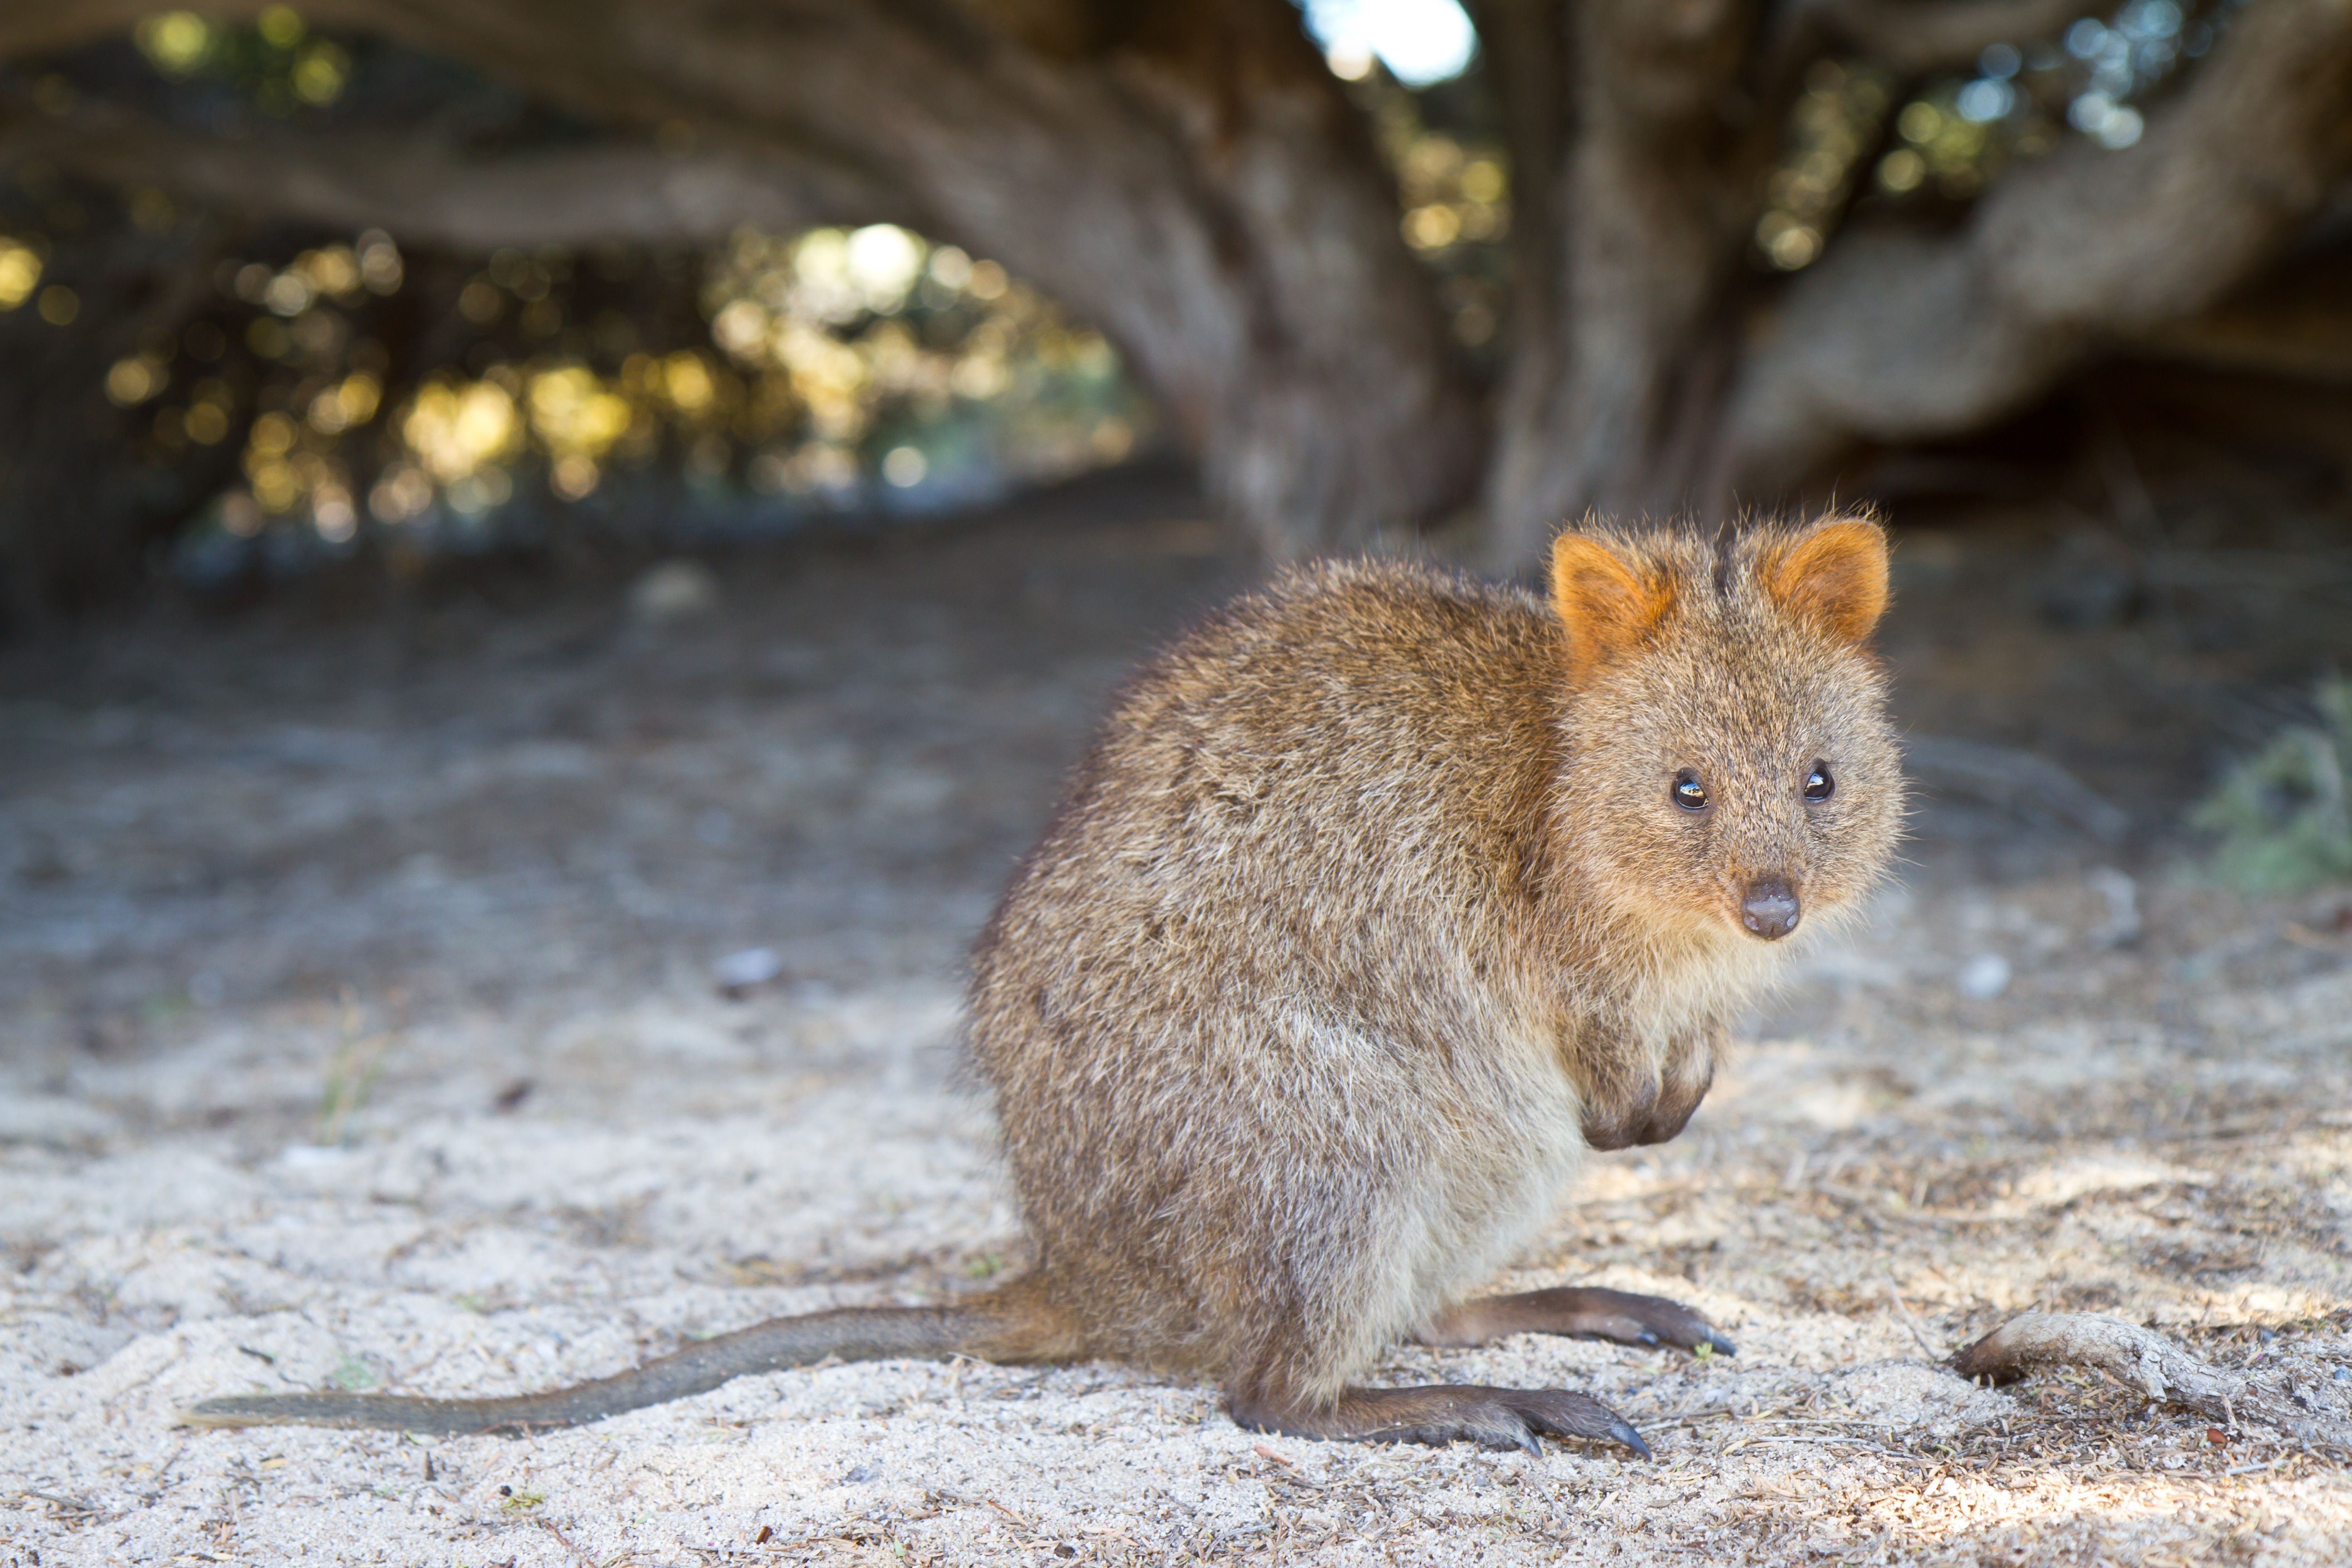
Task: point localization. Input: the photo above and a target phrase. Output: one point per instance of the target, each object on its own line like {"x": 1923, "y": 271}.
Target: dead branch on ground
{"x": 2142, "y": 1359}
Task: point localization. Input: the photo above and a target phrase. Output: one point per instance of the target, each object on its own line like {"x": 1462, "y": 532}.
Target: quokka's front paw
{"x": 1593, "y": 1314}
{"x": 1582, "y": 1312}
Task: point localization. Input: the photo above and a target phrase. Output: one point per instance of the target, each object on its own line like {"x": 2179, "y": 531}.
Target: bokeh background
{"x": 553, "y": 553}
{"x": 372, "y": 287}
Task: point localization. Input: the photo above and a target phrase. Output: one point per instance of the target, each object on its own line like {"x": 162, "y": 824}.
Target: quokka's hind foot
{"x": 1581, "y": 1312}
{"x": 1442, "y": 1413}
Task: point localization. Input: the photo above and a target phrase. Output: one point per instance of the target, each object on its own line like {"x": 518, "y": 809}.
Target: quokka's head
{"x": 1729, "y": 768}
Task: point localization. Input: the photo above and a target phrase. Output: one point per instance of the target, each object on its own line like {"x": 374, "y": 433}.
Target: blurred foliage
{"x": 419, "y": 401}
{"x": 1942, "y": 141}
{"x": 1452, "y": 193}
{"x": 2283, "y": 816}
{"x": 828, "y": 370}
{"x": 277, "y": 63}
{"x": 1833, "y": 126}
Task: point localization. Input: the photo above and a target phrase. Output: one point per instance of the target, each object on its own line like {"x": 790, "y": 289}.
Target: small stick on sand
{"x": 1010, "y": 1514}
{"x": 1918, "y": 1331}
{"x": 550, "y": 1526}
{"x": 2142, "y": 1359}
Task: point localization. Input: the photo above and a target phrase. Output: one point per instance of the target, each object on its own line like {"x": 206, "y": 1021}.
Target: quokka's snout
{"x": 1770, "y": 907}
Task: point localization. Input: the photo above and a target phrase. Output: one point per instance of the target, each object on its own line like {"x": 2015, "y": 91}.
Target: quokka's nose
{"x": 1769, "y": 910}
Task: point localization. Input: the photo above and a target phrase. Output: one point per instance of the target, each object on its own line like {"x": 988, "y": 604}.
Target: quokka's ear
{"x": 1607, "y": 607}
{"x": 1834, "y": 577}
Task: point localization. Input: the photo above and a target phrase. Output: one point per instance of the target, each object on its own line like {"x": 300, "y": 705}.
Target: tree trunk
{"x": 1611, "y": 393}
{"x": 1185, "y": 174}
{"x": 1660, "y": 375}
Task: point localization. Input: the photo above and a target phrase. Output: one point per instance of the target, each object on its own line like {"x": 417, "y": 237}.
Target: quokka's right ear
{"x": 1835, "y": 576}
{"x": 1608, "y": 607}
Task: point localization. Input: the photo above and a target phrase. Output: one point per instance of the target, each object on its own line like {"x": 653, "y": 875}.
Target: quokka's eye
{"x": 1687, "y": 792}
{"x": 1818, "y": 785}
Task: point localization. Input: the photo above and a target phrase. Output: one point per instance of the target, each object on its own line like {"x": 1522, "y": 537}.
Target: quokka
{"x": 1381, "y": 896}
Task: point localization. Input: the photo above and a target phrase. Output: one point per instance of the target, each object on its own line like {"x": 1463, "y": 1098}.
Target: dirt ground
{"x": 360, "y": 1028}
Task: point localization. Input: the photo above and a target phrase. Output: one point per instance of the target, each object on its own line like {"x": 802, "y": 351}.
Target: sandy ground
{"x": 361, "y": 1030}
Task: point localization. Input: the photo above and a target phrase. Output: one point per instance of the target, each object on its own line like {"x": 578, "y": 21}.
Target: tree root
{"x": 2148, "y": 1361}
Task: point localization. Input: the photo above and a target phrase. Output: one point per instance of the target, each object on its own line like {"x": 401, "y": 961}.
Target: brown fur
{"x": 1369, "y": 911}
{"x": 1369, "y": 906}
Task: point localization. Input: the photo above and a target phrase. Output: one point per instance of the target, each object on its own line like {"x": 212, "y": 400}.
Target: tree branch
{"x": 1912, "y": 40}
{"x": 427, "y": 193}
{"x": 1899, "y": 336}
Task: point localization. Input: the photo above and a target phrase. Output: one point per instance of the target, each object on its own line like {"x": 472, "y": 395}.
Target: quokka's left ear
{"x": 1835, "y": 576}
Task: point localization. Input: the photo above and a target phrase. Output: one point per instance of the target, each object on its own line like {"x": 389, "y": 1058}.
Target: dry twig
{"x": 550, "y": 1526}
{"x": 2144, "y": 1360}
{"x": 1910, "y": 1320}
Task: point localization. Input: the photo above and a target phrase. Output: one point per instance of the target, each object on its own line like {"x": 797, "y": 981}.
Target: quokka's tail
{"x": 1005, "y": 1325}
